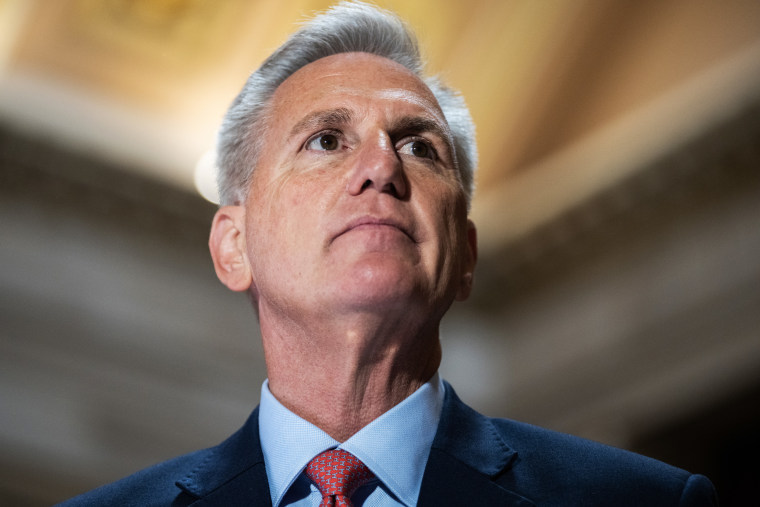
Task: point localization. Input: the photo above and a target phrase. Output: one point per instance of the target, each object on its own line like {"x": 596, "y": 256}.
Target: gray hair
{"x": 345, "y": 28}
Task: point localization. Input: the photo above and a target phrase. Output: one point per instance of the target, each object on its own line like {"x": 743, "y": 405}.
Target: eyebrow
{"x": 417, "y": 124}
{"x": 323, "y": 119}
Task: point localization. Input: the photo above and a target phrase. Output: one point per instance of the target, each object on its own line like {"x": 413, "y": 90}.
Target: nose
{"x": 378, "y": 167}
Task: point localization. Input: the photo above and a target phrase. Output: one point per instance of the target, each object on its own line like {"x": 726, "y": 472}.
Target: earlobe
{"x": 468, "y": 265}
{"x": 227, "y": 246}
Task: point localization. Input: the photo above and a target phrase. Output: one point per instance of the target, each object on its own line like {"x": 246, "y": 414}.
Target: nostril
{"x": 393, "y": 188}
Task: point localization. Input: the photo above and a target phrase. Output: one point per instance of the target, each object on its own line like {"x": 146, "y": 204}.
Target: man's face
{"x": 356, "y": 203}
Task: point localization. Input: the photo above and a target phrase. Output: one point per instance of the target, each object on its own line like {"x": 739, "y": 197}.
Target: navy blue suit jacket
{"x": 474, "y": 460}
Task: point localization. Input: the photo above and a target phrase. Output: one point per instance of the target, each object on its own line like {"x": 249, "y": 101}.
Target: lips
{"x": 371, "y": 221}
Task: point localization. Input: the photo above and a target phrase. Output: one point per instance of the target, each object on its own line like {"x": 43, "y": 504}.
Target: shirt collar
{"x": 395, "y": 446}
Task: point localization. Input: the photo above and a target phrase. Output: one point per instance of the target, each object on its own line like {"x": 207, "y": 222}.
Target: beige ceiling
{"x": 562, "y": 92}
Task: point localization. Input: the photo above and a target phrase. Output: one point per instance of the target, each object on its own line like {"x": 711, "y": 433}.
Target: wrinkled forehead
{"x": 363, "y": 78}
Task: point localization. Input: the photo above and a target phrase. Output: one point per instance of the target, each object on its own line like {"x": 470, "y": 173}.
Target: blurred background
{"x": 617, "y": 295}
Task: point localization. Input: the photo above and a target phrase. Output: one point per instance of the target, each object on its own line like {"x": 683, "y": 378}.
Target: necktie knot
{"x": 337, "y": 474}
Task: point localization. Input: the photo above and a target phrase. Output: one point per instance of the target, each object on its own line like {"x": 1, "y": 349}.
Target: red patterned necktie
{"x": 337, "y": 474}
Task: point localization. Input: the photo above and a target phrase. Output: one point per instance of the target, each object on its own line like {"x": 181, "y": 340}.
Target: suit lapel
{"x": 233, "y": 473}
{"x": 466, "y": 456}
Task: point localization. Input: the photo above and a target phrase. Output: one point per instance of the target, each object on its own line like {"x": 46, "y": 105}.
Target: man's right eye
{"x": 323, "y": 142}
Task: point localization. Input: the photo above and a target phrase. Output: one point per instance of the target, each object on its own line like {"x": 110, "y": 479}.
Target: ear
{"x": 227, "y": 245}
{"x": 468, "y": 266}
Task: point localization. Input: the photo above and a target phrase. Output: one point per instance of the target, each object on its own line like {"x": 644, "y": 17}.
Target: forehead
{"x": 366, "y": 80}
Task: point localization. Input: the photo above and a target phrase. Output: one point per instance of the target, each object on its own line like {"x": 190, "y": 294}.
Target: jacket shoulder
{"x": 545, "y": 467}
{"x": 228, "y": 472}
{"x": 549, "y": 463}
{"x": 155, "y": 485}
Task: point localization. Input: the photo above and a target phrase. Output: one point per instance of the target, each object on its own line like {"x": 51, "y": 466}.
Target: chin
{"x": 379, "y": 289}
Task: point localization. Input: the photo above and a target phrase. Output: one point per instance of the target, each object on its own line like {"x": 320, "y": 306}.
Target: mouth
{"x": 370, "y": 222}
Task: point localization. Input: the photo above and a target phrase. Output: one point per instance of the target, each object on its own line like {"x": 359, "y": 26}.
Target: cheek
{"x": 448, "y": 205}
{"x": 451, "y": 214}
{"x": 444, "y": 214}
{"x": 286, "y": 212}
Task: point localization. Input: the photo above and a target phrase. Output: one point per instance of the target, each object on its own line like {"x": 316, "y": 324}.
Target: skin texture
{"x": 353, "y": 241}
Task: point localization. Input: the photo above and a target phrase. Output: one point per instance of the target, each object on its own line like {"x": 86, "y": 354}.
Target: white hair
{"x": 345, "y": 28}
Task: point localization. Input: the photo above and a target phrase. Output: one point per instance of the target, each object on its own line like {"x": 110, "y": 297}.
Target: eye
{"x": 418, "y": 148}
{"x": 323, "y": 142}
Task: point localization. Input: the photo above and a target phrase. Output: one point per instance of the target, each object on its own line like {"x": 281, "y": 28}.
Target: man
{"x": 345, "y": 185}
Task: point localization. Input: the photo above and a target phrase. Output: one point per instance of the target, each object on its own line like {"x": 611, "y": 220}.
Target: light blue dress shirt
{"x": 395, "y": 446}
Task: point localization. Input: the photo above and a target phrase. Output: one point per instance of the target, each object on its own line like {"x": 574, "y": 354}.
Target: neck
{"x": 342, "y": 374}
